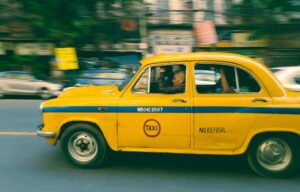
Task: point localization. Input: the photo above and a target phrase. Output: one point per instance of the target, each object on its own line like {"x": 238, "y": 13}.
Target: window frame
{"x": 235, "y": 67}
{"x": 150, "y": 66}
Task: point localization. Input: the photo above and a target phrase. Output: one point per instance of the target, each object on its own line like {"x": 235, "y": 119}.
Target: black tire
{"x": 45, "y": 94}
{"x": 84, "y": 146}
{"x": 274, "y": 156}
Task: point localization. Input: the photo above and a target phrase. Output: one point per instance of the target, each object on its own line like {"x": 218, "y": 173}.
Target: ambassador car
{"x": 229, "y": 105}
{"x": 24, "y": 83}
{"x": 288, "y": 76}
{"x": 101, "y": 77}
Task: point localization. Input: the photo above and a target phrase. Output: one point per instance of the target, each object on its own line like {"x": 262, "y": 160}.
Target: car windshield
{"x": 129, "y": 77}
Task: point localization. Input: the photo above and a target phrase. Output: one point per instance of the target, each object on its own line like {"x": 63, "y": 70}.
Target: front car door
{"x": 148, "y": 118}
{"x": 6, "y": 82}
{"x": 227, "y": 101}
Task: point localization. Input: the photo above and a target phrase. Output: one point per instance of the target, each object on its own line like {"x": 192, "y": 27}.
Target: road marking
{"x": 18, "y": 133}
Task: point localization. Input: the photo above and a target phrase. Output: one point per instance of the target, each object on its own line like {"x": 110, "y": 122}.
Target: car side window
{"x": 12, "y": 76}
{"x": 166, "y": 79}
{"x": 26, "y": 77}
{"x": 216, "y": 79}
{"x": 6, "y": 76}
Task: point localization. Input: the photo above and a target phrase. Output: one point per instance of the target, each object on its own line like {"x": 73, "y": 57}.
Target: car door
{"x": 5, "y": 82}
{"x": 148, "y": 118}
{"x": 228, "y": 100}
{"x": 12, "y": 83}
{"x": 24, "y": 83}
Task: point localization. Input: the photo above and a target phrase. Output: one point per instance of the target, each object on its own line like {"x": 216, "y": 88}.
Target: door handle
{"x": 179, "y": 100}
{"x": 259, "y": 100}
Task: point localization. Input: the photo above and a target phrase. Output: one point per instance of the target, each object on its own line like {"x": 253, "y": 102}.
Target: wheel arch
{"x": 252, "y": 139}
{"x": 42, "y": 88}
{"x": 66, "y": 125}
{"x": 284, "y": 159}
{"x": 283, "y": 134}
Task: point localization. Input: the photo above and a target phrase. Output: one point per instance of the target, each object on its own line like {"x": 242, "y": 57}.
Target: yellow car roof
{"x": 251, "y": 64}
{"x": 160, "y": 58}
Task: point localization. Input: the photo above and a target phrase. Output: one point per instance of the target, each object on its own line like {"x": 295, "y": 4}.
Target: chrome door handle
{"x": 179, "y": 100}
{"x": 259, "y": 100}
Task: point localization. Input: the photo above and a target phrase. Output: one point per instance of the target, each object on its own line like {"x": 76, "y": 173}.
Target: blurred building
{"x": 120, "y": 43}
{"x": 170, "y": 29}
{"x": 17, "y": 39}
{"x": 117, "y": 45}
{"x": 153, "y": 27}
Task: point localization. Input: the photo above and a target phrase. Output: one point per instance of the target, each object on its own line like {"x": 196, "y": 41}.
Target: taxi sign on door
{"x": 66, "y": 58}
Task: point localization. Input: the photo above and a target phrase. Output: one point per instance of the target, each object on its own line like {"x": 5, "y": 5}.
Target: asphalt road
{"x": 28, "y": 163}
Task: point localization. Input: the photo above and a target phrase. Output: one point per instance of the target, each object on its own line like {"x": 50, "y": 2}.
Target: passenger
{"x": 178, "y": 83}
{"x": 166, "y": 75}
{"x": 224, "y": 82}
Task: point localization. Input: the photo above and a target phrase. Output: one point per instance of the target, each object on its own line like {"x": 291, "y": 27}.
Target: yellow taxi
{"x": 193, "y": 103}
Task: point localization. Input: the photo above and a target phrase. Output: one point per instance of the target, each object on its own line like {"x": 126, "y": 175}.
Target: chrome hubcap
{"x": 83, "y": 147}
{"x": 274, "y": 154}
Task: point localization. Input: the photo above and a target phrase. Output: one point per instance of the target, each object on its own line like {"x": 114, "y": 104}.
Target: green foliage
{"x": 266, "y": 15}
{"x": 67, "y": 22}
{"x": 264, "y": 11}
{"x": 38, "y": 66}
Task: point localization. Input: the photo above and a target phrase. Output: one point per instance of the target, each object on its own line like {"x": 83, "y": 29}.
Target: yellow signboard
{"x": 66, "y": 58}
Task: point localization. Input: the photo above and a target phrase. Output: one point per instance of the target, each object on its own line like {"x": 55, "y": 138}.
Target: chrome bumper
{"x": 46, "y": 134}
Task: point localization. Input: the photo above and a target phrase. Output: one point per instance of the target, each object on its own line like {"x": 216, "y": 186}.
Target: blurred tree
{"x": 26, "y": 63}
{"x": 267, "y": 15}
{"x": 73, "y": 22}
{"x": 11, "y": 19}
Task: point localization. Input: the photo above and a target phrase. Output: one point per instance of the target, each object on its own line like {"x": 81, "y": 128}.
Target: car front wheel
{"x": 84, "y": 146}
{"x": 273, "y": 156}
{"x": 1, "y": 93}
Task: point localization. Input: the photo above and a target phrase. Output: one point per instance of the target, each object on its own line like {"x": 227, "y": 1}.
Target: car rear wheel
{"x": 84, "y": 146}
{"x": 273, "y": 156}
{"x": 45, "y": 94}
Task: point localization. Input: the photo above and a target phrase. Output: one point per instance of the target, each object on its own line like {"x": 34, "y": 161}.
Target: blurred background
{"x": 81, "y": 41}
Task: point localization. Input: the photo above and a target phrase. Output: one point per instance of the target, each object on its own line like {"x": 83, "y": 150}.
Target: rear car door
{"x": 228, "y": 100}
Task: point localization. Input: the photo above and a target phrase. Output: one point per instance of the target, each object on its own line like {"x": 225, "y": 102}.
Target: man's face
{"x": 178, "y": 79}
